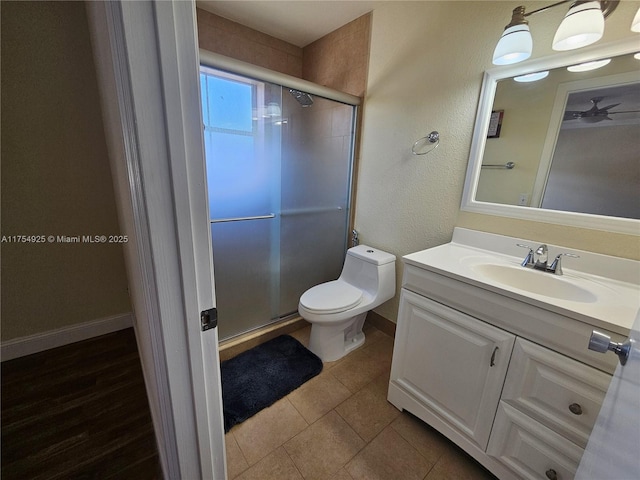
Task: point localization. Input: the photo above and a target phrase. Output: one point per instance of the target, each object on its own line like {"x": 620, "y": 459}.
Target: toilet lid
{"x": 331, "y": 297}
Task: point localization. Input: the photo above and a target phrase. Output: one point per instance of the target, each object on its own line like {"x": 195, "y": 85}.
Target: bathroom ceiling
{"x": 299, "y": 22}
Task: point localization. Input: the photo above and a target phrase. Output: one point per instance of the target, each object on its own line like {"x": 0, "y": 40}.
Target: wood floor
{"x": 78, "y": 412}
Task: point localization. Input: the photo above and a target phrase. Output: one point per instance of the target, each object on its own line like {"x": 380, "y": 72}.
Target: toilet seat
{"x": 331, "y": 297}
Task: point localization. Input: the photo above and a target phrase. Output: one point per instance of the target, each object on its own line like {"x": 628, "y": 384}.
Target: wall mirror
{"x": 564, "y": 149}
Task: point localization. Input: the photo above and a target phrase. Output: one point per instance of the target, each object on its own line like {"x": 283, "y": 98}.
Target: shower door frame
{"x": 211, "y": 60}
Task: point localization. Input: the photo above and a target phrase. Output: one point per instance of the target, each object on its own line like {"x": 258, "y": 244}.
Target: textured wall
{"x": 55, "y": 174}
{"x": 425, "y": 72}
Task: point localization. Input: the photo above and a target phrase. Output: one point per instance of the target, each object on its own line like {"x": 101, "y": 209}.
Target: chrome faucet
{"x": 542, "y": 255}
{"x": 539, "y": 258}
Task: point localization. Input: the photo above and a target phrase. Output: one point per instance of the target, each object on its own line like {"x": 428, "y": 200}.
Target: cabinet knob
{"x": 575, "y": 408}
{"x": 551, "y": 474}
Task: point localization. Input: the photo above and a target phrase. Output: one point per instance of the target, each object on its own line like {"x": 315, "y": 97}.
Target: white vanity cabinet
{"x": 510, "y": 383}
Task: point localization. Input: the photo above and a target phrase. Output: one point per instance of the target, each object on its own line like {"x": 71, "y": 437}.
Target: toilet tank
{"x": 372, "y": 270}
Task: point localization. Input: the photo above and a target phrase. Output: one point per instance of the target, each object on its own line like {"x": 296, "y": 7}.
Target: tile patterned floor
{"x": 339, "y": 426}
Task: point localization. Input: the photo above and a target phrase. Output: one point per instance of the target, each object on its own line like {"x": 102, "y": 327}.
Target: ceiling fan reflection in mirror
{"x": 596, "y": 113}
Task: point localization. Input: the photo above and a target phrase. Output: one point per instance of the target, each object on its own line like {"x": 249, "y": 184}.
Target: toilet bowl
{"x": 337, "y": 309}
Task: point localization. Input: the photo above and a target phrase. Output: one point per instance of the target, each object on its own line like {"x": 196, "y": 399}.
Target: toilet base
{"x": 332, "y": 342}
{"x": 356, "y": 342}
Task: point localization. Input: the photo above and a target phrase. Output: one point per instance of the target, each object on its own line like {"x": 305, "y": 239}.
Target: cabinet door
{"x": 452, "y": 363}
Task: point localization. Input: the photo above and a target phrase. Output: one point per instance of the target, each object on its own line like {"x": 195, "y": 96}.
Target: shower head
{"x": 303, "y": 98}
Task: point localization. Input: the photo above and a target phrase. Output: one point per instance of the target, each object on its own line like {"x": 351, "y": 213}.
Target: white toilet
{"x": 337, "y": 309}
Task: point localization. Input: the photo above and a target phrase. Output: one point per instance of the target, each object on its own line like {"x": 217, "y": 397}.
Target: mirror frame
{"x": 491, "y": 77}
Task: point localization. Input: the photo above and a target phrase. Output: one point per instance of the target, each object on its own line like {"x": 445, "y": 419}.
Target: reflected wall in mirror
{"x": 573, "y": 139}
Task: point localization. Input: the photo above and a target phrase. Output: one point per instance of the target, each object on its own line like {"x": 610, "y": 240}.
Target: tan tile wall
{"x": 340, "y": 59}
{"x": 219, "y": 35}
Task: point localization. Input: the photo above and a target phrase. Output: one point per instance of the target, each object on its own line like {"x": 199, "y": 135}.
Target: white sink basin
{"x": 533, "y": 281}
{"x": 600, "y": 290}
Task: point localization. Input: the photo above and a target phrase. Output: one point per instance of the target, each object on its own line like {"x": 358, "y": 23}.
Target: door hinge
{"x": 209, "y": 319}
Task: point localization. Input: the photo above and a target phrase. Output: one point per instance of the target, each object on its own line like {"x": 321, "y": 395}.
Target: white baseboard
{"x": 20, "y": 347}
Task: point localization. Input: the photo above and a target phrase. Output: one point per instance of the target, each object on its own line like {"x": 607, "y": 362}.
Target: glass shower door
{"x": 278, "y": 176}
{"x": 242, "y": 145}
{"x": 317, "y": 146}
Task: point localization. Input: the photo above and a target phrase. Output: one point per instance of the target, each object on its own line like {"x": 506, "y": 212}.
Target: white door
{"x": 147, "y": 66}
{"x": 613, "y": 450}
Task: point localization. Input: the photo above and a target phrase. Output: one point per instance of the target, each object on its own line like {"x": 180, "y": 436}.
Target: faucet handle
{"x": 556, "y": 266}
{"x": 542, "y": 252}
{"x": 528, "y": 260}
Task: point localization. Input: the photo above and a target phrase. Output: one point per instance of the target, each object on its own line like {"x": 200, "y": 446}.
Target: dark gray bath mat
{"x": 258, "y": 377}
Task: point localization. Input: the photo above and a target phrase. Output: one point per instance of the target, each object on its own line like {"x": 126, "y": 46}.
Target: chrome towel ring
{"x": 432, "y": 140}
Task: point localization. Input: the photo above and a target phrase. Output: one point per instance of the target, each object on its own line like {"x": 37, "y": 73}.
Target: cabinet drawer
{"x": 555, "y": 390}
{"x": 530, "y": 449}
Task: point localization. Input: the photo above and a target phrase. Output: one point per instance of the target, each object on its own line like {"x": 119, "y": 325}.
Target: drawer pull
{"x": 493, "y": 357}
{"x": 575, "y": 408}
{"x": 551, "y": 474}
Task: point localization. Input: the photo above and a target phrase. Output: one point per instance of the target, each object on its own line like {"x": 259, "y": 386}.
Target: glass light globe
{"x": 585, "y": 67}
{"x": 532, "y": 77}
{"x": 582, "y": 25}
{"x": 635, "y": 23}
{"x": 514, "y": 46}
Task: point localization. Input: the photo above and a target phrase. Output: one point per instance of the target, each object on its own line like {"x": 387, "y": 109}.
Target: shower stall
{"x": 279, "y": 172}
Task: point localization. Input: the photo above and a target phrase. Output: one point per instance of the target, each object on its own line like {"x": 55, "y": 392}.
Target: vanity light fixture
{"x": 532, "y": 77}
{"x": 582, "y": 25}
{"x": 515, "y": 44}
{"x": 635, "y": 23}
{"x": 587, "y": 66}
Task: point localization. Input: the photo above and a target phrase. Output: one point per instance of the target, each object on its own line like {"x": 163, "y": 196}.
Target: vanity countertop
{"x": 607, "y": 289}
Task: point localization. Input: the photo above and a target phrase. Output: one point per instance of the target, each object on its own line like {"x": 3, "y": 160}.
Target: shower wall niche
{"x": 279, "y": 167}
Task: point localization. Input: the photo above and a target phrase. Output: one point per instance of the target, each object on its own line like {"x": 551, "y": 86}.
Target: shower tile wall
{"x": 340, "y": 59}
{"x": 219, "y": 35}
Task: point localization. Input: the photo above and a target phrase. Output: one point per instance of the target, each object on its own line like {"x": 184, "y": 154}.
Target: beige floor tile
{"x": 268, "y": 429}
{"x": 318, "y": 396}
{"x": 372, "y": 335}
{"x": 236, "y": 463}
{"x": 275, "y": 466}
{"x": 388, "y": 457}
{"x": 360, "y": 368}
{"x": 382, "y": 349}
{"x": 341, "y": 475}
{"x": 429, "y": 442}
{"x": 368, "y": 412}
{"x": 455, "y": 464}
{"x": 324, "y": 447}
{"x": 302, "y": 335}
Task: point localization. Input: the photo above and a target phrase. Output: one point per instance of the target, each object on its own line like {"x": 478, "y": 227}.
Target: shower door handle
{"x": 240, "y": 219}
